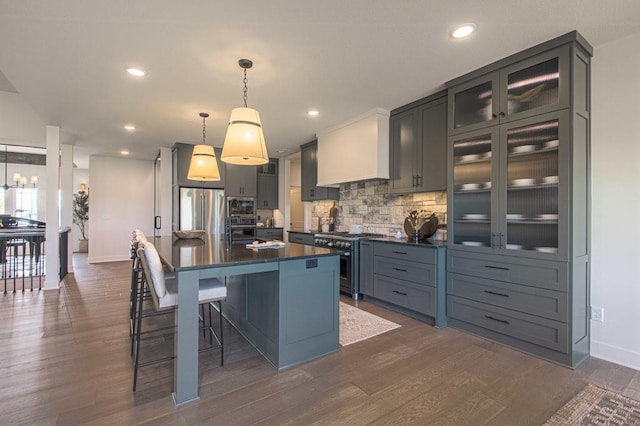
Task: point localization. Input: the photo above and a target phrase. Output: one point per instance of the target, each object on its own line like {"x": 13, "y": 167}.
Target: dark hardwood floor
{"x": 64, "y": 360}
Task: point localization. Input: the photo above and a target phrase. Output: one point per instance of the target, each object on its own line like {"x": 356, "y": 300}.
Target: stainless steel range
{"x": 349, "y": 261}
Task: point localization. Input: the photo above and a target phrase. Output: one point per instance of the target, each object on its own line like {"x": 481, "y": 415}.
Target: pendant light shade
{"x": 203, "y": 165}
{"x": 244, "y": 142}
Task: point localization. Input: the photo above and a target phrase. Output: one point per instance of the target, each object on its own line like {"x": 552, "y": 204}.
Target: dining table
{"x": 283, "y": 299}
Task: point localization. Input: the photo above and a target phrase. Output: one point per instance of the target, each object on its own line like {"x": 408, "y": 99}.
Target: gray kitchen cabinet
{"x": 241, "y": 181}
{"x": 418, "y": 146}
{"x": 268, "y": 185}
{"x": 181, "y": 158}
{"x": 309, "y": 176}
{"x": 301, "y": 238}
{"x": 366, "y": 268}
{"x": 518, "y": 205}
{"x": 407, "y": 277}
{"x": 269, "y": 233}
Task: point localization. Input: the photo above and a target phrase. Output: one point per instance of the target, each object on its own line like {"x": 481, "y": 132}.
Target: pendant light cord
{"x": 245, "y": 87}
{"x": 204, "y": 132}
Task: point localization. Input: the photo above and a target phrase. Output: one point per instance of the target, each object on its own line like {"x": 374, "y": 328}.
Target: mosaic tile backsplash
{"x": 369, "y": 204}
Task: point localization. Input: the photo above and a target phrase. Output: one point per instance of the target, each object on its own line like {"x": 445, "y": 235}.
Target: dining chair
{"x": 164, "y": 294}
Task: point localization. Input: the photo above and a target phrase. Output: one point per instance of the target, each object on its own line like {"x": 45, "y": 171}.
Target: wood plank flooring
{"x": 64, "y": 360}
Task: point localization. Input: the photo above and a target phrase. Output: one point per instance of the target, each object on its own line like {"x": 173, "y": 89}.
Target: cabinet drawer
{"x": 529, "y": 328}
{"x": 301, "y": 238}
{"x": 538, "y": 273}
{"x": 269, "y": 233}
{"x": 403, "y": 293}
{"x": 535, "y": 301}
{"x": 405, "y": 252}
{"x": 419, "y": 273}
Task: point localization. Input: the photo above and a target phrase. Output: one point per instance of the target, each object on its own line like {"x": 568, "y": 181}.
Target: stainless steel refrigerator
{"x": 201, "y": 208}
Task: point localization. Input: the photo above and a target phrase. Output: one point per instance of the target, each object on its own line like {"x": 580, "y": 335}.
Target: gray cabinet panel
{"x": 406, "y": 294}
{"x": 241, "y": 181}
{"x": 405, "y": 252}
{"x": 528, "y": 328}
{"x": 433, "y": 174}
{"x": 419, "y": 273}
{"x": 535, "y": 301}
{"x": 404, "y": 151}
{"x": 267, "y": 192}
{"x": 309, "y": 176}
{"x": 366, "y": 268}
{"x": 269, "y": 233}
{"x": 537, "y": 273}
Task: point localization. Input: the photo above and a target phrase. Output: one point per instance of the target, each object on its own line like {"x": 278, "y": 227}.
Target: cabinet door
{"x": 308, "y": 172}
{"x": 535, "y": 86}
{"x": 267, "y": 191}
{"x": 432, "y": 175}
{"x": 473, "y": 201}
{"x": 366, "y": 268}
{"x": 534, "y": 170}
{"x": 405, "y": 151}
{"x": 474, "y": 104}
{"x": 241, "y": 181}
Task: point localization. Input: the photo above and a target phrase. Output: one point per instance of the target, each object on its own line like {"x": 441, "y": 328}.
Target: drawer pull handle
{"x": 496, "y": 294}
{"x": 496, "y": 267}
{"x": 399, "y": 292}
{"x": 399, "y": 252}
{"x": 399, "y": 269}
{"x": 496, "y": 319}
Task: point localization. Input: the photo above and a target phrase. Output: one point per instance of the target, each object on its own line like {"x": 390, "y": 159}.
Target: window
{"x": 27, "y": 203}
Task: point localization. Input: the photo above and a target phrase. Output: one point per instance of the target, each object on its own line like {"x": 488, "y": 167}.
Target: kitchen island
{"x": 283, "y": 300}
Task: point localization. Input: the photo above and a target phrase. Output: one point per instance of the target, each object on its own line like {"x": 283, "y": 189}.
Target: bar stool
{"x": 164, "y": 294}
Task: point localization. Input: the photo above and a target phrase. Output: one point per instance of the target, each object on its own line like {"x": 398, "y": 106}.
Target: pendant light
{"x": 203, "y": 166}
{"x": 244, "y": 142}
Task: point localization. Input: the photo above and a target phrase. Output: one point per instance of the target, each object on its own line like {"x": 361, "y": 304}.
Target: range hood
{"x": 355, "y": 150}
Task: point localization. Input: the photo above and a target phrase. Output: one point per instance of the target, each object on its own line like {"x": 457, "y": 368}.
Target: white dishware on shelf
{"x": 547, "y": 216}
{"x": 475, "y": 216}
{"x": 469, "y": 186}
{"x": 550, "y": 179}
{"x": 523, "y": 182}
{"x": 487, "y": 154}
{"x": 472, "y": 243}
{"x": 547, "y": 249}
{"x": 469, "y": 157}
{"x": 524, "y": 148}
{"x": 487, "y": 185}
{"x": 552, "y": 144}
{"x": 514, "y": 216}
{"x": 514, "y": 247}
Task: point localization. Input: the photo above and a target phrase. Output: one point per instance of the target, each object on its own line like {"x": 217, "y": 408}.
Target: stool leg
{"x": 221, "y": 337}
{"x": 137, "y": 335}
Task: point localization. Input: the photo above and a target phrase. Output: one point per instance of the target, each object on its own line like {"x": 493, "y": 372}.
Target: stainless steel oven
{"x": 240, "y": 229}
{"x": 349, "y": 260}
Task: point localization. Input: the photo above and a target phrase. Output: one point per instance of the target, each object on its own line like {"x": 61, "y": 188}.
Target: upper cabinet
{"x": 309, "y": 176}
{"x": 530, "y": 87}
{"x": 268, "y": 185}
{"x": 418, "y": 146}
{"x": 181, "y": 155}
{"x": 241, "y": 181}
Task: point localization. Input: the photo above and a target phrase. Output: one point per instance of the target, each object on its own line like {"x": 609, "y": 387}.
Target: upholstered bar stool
{"x": 164, "y": 294}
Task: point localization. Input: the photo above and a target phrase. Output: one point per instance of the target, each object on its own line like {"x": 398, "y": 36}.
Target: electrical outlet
{"x": 597, "y": 314}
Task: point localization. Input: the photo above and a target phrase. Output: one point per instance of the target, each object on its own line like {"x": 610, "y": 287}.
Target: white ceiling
{"x": 66, "y": 60}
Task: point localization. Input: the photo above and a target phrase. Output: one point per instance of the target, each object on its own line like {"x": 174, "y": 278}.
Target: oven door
{"x": 238, "y": 234}
{"x": 346, "y": 272}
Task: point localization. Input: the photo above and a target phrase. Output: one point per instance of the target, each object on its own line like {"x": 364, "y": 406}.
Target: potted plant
{"x": 81, "y": 216}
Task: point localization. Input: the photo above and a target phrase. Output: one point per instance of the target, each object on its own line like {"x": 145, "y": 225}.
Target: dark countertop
{"x": 212, "y": 251}
{"x": 269, "y": 227}
{"x": 411, "y": 242}
{"x": 302, "y": 231}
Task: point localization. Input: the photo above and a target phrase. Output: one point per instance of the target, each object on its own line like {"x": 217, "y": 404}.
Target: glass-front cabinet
{"x": 530, "y": 87}
{"x": 507, "y": 183}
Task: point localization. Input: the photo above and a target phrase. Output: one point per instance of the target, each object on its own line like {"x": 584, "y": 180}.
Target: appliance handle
{"x": 157, "y": 222}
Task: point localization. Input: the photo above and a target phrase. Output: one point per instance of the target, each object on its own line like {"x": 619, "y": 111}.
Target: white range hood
{"x": 355, "y": 150}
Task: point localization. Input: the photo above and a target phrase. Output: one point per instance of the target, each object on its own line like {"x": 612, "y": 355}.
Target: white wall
{"x": 615, "y": 147}
{"x": 120, "y": 200}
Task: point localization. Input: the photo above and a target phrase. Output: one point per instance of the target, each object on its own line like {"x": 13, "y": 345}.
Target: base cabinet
{"x": 301, "y": 238}
{"x": 405, "y": 276}
{"x": 269, "y": 233}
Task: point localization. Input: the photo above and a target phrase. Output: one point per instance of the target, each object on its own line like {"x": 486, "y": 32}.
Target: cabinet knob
{"x": 502, "y": 114}
{"x": 494, "y": 116}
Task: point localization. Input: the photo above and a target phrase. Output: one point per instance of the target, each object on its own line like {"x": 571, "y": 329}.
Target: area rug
{"x": 357, "y": 325}
{"x": 596, "y": 406}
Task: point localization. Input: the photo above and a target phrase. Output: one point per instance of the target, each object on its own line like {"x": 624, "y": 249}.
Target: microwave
{"x": 244, "y": 207}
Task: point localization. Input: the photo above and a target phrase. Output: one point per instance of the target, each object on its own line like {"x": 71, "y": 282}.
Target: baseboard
{"x": 103, "y": 259}
{"x": 615, "y": 354}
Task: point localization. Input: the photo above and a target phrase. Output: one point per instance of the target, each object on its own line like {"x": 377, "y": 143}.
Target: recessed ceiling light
{"x": 136, "y": 72}
{"x": 464, "y": 30}
{"x": 282, "y": 151}
{"x": 313, "y": 113}
{"x": 130, "y": 127}
{"x": 124, "y": 152}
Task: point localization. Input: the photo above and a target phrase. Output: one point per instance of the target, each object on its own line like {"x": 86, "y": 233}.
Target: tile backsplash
{"x": 369, "y": 204}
